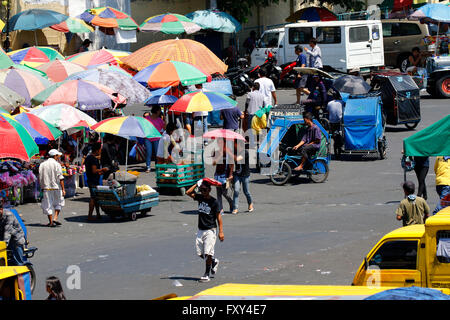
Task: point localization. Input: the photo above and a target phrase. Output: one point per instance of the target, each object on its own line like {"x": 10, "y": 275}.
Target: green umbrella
{"x": 432, "y": 141}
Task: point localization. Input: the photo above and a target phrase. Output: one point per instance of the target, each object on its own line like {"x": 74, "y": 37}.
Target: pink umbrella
{"x": 223, "y": 133}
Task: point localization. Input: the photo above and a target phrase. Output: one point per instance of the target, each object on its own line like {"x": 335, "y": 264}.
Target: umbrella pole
{"x": 126, "y": 157}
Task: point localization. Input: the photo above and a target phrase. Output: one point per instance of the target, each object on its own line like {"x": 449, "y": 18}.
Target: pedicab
{"x": 400, "y": 96}
{"x": 362, "y": 127}
{"x": 276, "y": 155}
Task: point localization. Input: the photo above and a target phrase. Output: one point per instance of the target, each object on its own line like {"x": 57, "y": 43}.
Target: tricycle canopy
{"x": 432, "y": 141}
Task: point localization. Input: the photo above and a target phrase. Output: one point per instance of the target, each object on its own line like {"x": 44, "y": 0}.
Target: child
{"x": 54, "y": 288}
{"x": 412, "y": 209}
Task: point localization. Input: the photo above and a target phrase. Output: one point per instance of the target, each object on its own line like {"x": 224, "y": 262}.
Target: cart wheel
{"x": 133, "y": 216}
{"x": 320, "y": 171}
{"x": 411, "y": 126}
{"x": 283, "y": 175}
{"x": 183, "y": 191}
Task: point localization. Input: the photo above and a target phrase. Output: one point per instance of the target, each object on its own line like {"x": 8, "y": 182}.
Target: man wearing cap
{"x": 51, "y": 180}
{"x": 412, "y": 209}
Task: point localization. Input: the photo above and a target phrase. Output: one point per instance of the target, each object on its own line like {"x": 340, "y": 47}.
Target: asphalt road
{"x": 299, "y": 233}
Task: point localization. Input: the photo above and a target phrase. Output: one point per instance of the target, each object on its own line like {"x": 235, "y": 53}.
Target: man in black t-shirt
{"x": 208, "y": 213}
{"x": 93, "y": 173}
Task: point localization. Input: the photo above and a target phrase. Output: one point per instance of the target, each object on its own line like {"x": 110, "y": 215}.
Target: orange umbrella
{"x": 184, "y": 50}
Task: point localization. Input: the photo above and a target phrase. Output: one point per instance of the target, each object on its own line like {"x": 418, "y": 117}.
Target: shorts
{"x": 301, "y": 82}
{"x": 52, "y": 200}
{"x": 205, "y": 242}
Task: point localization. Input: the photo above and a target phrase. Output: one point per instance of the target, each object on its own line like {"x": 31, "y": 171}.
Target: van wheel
{"x": 443, "y": 86}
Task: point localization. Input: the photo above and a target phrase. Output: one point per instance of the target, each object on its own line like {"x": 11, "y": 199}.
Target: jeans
{"x": 150, "y": 147}
{"x": 17, "y": 254}
{"x": 442, "y": 191}
{"x": 237, "y": 188}
{"x": 222, "y": 191}
{"x": 199, "y": 122}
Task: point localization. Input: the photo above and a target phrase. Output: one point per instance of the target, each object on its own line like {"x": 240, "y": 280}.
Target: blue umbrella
{"x": 163, "y": 100}
{"x": 437, "y": 12}
{"x": 35, "y": 19}
{"x": 215, "y": 20}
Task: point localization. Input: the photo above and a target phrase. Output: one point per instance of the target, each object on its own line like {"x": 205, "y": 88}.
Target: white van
{"x": 345, "y": 45}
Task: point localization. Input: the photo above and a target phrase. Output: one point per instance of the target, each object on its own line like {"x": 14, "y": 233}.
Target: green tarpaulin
{"x": 432, "y": 141}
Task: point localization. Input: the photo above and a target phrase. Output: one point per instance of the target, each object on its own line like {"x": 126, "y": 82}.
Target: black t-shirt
{"x": 207, "y": 212}
{"x": 92, "y": 178}
{"x": 243, "y": 166}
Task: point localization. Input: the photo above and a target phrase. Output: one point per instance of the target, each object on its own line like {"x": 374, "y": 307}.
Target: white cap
{"x": 54, "y": 152}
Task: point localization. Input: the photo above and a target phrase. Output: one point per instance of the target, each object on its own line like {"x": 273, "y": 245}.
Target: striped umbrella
{"x": 107, "y": 17}
{"x": 15, "y": 141}
{"x": 34, "y": 56}
{"x": 170, "y": 23}
{"x": 85, "y": 95}
{"x": 5, "y": 60}
{"x": 98, "y": 57}
{"x": 59, "y": 70}
{"x": 39, "y": 129}
{"x": 25, "y": 83}
{"x": 184, "y": 50}
{"x": 73, "y": 25}
{"x": 202, "y": 101}
{"x": 62, "y": 116}
{"x": 171, "y": 73}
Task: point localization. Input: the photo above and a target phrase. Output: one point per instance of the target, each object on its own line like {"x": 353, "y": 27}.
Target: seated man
{"x": 310, "y": 142}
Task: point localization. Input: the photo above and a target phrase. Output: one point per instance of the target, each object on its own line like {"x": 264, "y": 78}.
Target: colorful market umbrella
{"x": 98, "y": 57}
{"x": 202, "y": 101}
{"x": 35, "y": 19}
{"x": 5, "y": 60}
{"x": 433, "y": 12}
{"x": 170, "y": 23}
{"x": 312, "y": 14}
{"x": 224, "y": 134}
{"x": 73, "y": 25}
{"x": 215, "y": 20}
{"x": 35, "y": 56}
{"x": 85, "y": 95}
{"x": 9, "y": 99}
{"x": 171, "y": 73}
{"x": 59, "y": 70}
{"x": 107, "y": 17}
{"x": 39, "y": 129}
{"x": 184, "y": 50}
{"x": 25, "y": 83}
{"x": 15, "y": 141}
{"x": 133, "y": 91}
{"x": 62, "y": 116}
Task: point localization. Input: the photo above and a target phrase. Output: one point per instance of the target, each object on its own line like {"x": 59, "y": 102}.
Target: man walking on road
{"x": 412, "y": 209}
{"x": 51, "y": 181}
{"x": 314, "y": 55}
{"x": 267, "y": 88}
{"x": 208, "y": 213}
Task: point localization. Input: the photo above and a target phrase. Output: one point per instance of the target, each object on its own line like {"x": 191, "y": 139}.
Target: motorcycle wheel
{"x": 283, "y": 175}
{"x": 32, "y": 277}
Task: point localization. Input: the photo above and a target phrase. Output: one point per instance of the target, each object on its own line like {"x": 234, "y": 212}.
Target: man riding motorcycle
{"x": 12, "y": 233}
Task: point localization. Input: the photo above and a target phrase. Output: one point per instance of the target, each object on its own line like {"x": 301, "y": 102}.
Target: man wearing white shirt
{"x": 267, "y": 88}
{"x": 314, "y": 55}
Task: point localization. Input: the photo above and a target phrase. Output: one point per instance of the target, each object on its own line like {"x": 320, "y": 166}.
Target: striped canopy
{"x": 170, "y": 23}
{"x": 62, "y": 116}
{"x": 202, "y": 101}
{"x": 15, "y": 141}
{"x": 129, "y": 126}
{"x": 35, "y": 56}
{"x": 108, "y": 17}
{"x": 39, "y": 129}
{"x": 59, "y": 70}
{"x": 98, "y": 57}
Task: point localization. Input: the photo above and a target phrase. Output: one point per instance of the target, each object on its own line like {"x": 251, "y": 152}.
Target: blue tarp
{"x": 362, "y": 121}
{"x": 409, "y": 293}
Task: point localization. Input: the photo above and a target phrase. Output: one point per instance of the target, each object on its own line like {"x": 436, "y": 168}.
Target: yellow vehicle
{"x": 411, "y": 256}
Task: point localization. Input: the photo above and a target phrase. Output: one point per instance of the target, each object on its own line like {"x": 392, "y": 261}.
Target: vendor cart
{"x": 178, "y": 176}
{"x": 116, "y": 202}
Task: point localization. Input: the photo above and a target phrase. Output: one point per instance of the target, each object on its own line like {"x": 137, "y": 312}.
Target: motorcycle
{"x": 288, "y": 75}
{"x": 28, "y": 253}
{"x": 270, "y": 66}
{"x": 240, "y": 81}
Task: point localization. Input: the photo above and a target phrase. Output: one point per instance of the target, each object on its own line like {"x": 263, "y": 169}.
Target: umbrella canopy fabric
{"x": 25, "y": 83}
{"x": 436, "y": 12}
{"x": 184, "y": 50}
{"x": 224, "y": 134}
{"x": 63, "y": 116}
{"x": 109, "y": 67}
{"x": 432, "y": 141}
{"x": 15, "y": 141}
{"x": 312, "y": 14}
{"x": 170, "y": 23}
{"x": 171, "y": 73}
{"x": 351, "y": 84}
{"x": 9, "y": 99}
{"x": 128, "y": 126}
{"x": 132, "y": 90}
{"x": 35, "y": 56}
{"x": 35, "y": 19}
{"x": 85, "y": 95}
{"x": 59, "y": 70}
{"x": 98, "y": 57}
{"x": 40, "y": 130}
{"x": 108, "y": 17}
{"x": 215, "y": 20}
{"x": 203, "y": 101}
{"x": 5, "y": 60}
{"x": 73, "y": 25}
{"x": 164, "y": 99}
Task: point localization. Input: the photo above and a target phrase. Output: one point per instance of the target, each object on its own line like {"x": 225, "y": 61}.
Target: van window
{"x": 401, "y": 254}
{"x": 443, "y": 246}
{"x": 269, "y": 40}
{"x": 400, "y": 29}
{"x": 409, "y": 29}
{"x": 359, "y": 34}
{"x": 328, "y": 35}
{"x": 300, "y": 35}
{"x": 375, "y": 33}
